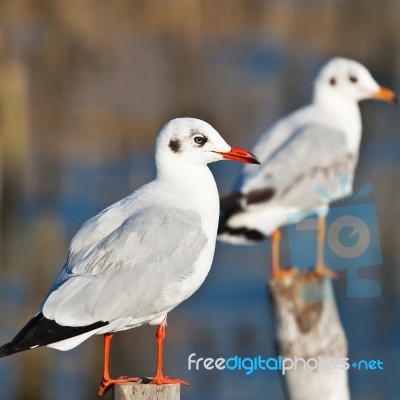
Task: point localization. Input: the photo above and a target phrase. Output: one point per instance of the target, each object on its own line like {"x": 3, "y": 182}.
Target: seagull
{"x": 139, "y": 258}
{"x": 306, "y": 149}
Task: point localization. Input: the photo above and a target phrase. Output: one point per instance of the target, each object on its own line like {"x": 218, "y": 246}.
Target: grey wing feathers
{"x": 313, "y": 155}
{"x": 124, "y": 274}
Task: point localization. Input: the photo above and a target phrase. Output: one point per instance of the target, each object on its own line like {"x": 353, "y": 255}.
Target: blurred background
{"x": 84, "y": 88}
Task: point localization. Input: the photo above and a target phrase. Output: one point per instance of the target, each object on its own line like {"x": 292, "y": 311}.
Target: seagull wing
{"x": 313, "y": 155}
{"x": 127, "y": 273}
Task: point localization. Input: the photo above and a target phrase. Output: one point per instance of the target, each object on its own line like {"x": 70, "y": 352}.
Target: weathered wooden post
{"x": 308, "y": 326}
{"x": 142, "y": 391}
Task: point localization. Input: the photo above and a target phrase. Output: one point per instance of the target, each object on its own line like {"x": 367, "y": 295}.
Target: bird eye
{"x": 332, "y": 81}
{"x": 353, "y": 79}
{"x": 200, "y": 140}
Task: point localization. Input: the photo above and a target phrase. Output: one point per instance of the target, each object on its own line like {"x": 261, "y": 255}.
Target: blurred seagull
{"x": 308, "y": 148}
{"x": 142, "y": 256}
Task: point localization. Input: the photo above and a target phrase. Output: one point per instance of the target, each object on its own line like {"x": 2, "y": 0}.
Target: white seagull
{"x": 308, "y": 148}
{"x": 142, "y": 256}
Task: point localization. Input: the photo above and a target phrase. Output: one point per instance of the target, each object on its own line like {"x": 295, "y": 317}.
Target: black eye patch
{"x": 332, "y": 81}
{"x": 175, "y": 145}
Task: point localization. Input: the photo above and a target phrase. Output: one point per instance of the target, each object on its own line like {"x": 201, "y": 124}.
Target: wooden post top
{"x": 141, "y": 391}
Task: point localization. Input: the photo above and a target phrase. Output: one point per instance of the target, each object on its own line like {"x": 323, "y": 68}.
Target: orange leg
{"x": 160, "y": 379}
{"x": 320, "y": 267}
{"x": 277, "y": 271}
{"x": 106, "y": 381}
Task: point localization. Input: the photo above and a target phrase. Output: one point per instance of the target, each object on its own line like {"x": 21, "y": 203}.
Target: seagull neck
{"x": 344, "y": 114}
{"x": 192, "y": 187}
{"x": 336, "y": 104}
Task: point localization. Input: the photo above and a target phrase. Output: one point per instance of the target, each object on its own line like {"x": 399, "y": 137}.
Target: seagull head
{"x": 186, "y": 142}
{"x": 346, "y": 79}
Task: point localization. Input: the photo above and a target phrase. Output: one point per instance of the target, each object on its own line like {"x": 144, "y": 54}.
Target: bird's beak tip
{"x": 255, "y": 160}
{"x": 386, "y": 94}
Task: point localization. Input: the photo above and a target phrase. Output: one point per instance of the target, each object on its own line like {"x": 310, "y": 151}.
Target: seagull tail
{"x": 40, "y": 331}
{"x": 239, "y": 234}
{"x": 231, "y": 205}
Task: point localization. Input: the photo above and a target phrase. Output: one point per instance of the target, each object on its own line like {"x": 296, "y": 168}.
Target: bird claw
{"x": 106, "y": 384}
{"x": 324, "y": 271}
{"x": 283, "y": 274}
{"x": 164, "y": 380}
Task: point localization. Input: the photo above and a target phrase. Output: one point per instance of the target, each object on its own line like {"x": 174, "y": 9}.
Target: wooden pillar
{"x": 308, "y": 326}
{"x": 140, "y": 391}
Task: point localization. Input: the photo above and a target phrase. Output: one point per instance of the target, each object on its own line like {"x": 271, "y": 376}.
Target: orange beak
{"x": 385, "y": 95}
{"x": 239, "y": 155}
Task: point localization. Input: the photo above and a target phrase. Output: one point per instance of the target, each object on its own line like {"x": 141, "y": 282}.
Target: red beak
{"x": 386, "y": 95}
{"x": 239, "y": 155}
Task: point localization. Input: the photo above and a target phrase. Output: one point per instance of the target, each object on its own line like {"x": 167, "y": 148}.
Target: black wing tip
{"x": 9, "y": 349}
{"x": 258, "y": 196}
{"x": 40, "y": 331}
{"x": 6, "y": 350}
{"x": 231, "y": 202}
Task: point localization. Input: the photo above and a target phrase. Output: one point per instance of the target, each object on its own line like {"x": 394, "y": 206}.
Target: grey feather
{"x": 126, "y": 272}
{"x": 312, "y": 155}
